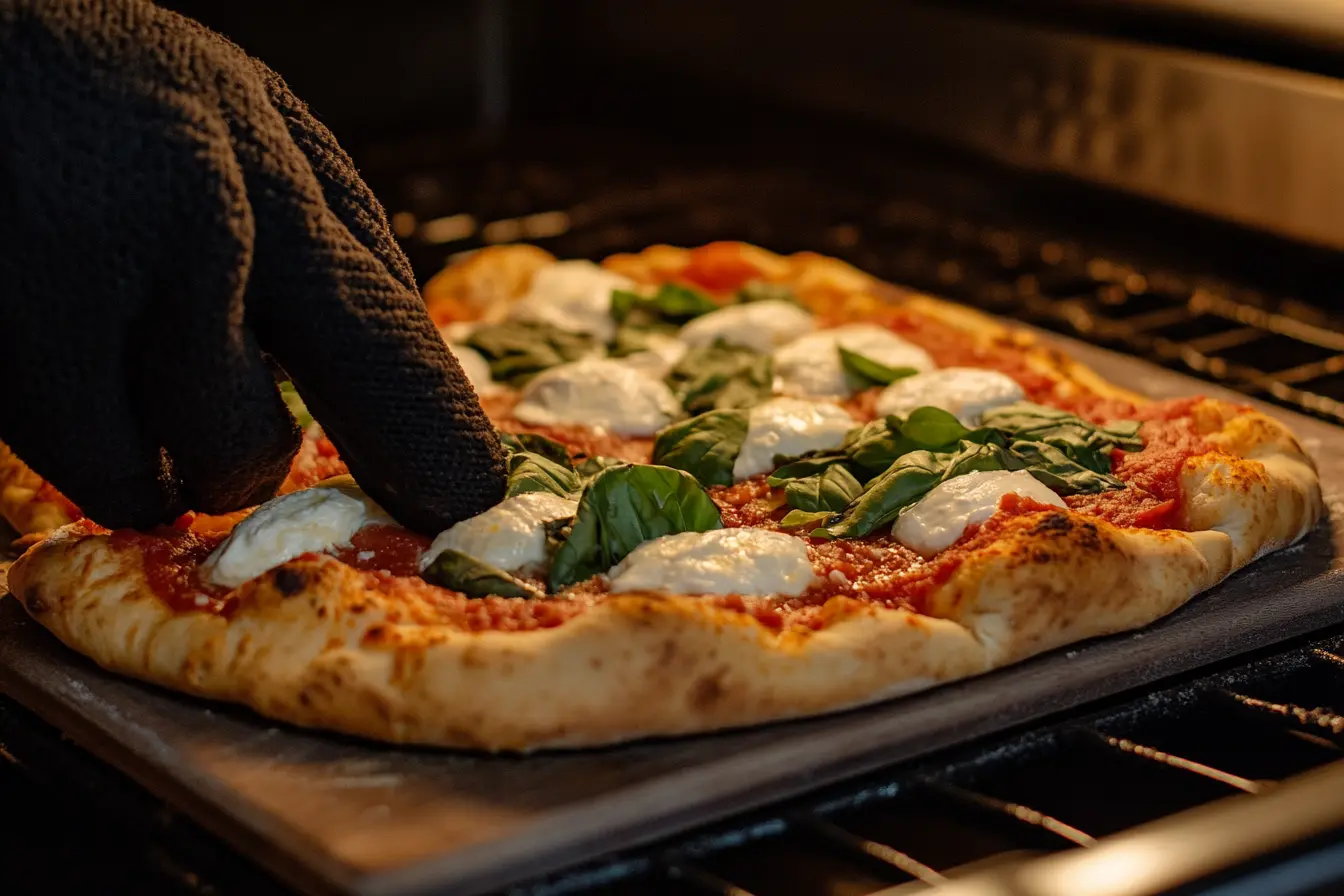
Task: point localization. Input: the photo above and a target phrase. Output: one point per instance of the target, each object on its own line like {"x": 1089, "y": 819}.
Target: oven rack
{"x": 1063, "y": 787}
{"x": 1282, "y": 348}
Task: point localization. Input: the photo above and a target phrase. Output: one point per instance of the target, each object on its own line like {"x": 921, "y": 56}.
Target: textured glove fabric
{"x": 171, "y": 215}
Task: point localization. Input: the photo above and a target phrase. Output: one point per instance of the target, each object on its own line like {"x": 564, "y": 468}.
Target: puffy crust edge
{"x": 639, "y": 665}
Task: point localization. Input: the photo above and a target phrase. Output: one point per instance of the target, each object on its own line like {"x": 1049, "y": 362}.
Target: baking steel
{"x": 334, "y": 814}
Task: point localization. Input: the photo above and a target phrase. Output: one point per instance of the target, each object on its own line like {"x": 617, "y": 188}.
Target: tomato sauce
{"x": 390, "y": 549}
{"x": 718, "y": 267}
{"x": 875, "y": 569}
{"x": 171, "y": 559}
{"x": 317, "y": 460}
{"x": 581, "y": 441}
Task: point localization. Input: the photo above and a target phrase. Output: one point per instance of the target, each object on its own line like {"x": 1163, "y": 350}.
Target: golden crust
{"x": 20, "y": 503}
{"x": 339, "y": 653}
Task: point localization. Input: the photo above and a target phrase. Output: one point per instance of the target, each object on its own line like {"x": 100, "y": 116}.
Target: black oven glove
{"x": 171, "y": 216}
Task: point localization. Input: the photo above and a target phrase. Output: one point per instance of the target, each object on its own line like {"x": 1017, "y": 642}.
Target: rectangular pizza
{"x": 743, "y": 487}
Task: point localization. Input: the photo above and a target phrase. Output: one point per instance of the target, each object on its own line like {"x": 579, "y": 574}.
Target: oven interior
{"x": 556, "y": 138}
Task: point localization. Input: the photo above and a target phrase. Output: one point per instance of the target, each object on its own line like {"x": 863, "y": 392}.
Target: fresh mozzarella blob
{"x": 600, "y": 393}
{"x": 811, "y": 366}
{"x": 789, "y": 426}
{"x": 722, "y": 561}
{"x": 965, "y": 392}
{"x": 759, "y": 326}
{"x": 475, "y": 367}
{"x": 511, "y": 535}
{"x": 659, "y": 358}
{"x": 573, "y": 296}
{"x": 939, "y": 518}
{"x": 310, "y": 521}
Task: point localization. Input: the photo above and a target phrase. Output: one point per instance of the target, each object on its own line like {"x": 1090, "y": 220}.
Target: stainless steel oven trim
{"x": 1250, "y": 143}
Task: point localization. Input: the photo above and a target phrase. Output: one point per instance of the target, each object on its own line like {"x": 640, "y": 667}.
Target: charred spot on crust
{"x": 289, "y": 581}
{"x": 708, "y": 691}
{"x": 1053, "y": 524}
{"x": 34, "y": 602}
{"x": 376, "y": 634}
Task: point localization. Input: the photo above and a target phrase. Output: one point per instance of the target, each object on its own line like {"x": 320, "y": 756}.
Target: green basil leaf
{"x": 671, "y": 304}
{"x": 591, "y": 466}
{"x": 877, "y": 444}
{"x": 831, "y": 490}
{"x": 1085, "y": 443}
{"x": 1054, "y": 468}
{"x": 294, "y": 402}
{"x": 930, "y": 427}
{"x": 904, "y": 483}
{"x": 866, "y": 372}
{"x": 516, "y": 352}
{"x": 704, "y": 446}
{"x": 719, "y": 376}
{"x": 530, "y": 472}
{"x": 978, "y": 457}
{"x": 796, "y": 519}
{"x": 809, "y": 464}
{"x": 622, "y": 508}
{"x": 761, "y": 291}
{"x": 631, "y": 339}
{"x": 550, "y": 449}
{"x": 474, "y": 578}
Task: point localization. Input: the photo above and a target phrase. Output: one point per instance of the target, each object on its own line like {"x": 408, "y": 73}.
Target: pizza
{"x": 742, "y": 487}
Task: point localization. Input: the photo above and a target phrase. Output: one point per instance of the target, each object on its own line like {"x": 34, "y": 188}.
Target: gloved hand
{"x": 168, "y": 212}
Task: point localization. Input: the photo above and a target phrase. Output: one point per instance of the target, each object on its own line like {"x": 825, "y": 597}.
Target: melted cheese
{"x": 723, "y": 561}
{"x": 789, "y": 427}
{"x": 599, "y": 393}
{"x": 811, "y": 366}
{"x": 573, "y": 296}
{"x": 759, "y": 326}
{"x": 965, "y": 392}
{"x": 937, "y": 520}
{"x": 310, "y": 521}
{"x": 511, "y": 535}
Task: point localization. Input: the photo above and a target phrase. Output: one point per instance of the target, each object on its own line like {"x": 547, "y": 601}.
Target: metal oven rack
{"x": 1248, "y": 730}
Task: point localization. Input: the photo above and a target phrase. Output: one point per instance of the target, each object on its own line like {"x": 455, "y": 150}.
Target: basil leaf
{"x": 294, "y": 402}
{"x": 530, "y": 472}
{"x": 591, "y": 466}
{"x": 907, "y": 480}
{"x": 807, "y": 465}
{"x": 622, "y": 508}
{"x": 517, "y": 351}
{"x": 866, "y": 372}
{"x": 930, "y": 427}
{"x": 704, "y": 446}
{"x": 796, "y": 519}
{"x": 877, "y": 444}
{"x": 721, "y": 376}
{"x": 831, "y": 490}
{"x": 977, "y": 457}
{"x": 672, "y": 304}
{"x": 761, "y": 291}
{"x": 1084, "y": 443}
{"x": 1054, "y": 468}
{"x": 631, "y": 339}
{"x": 531, "y": 442}
{"x": 474, "y": 578}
